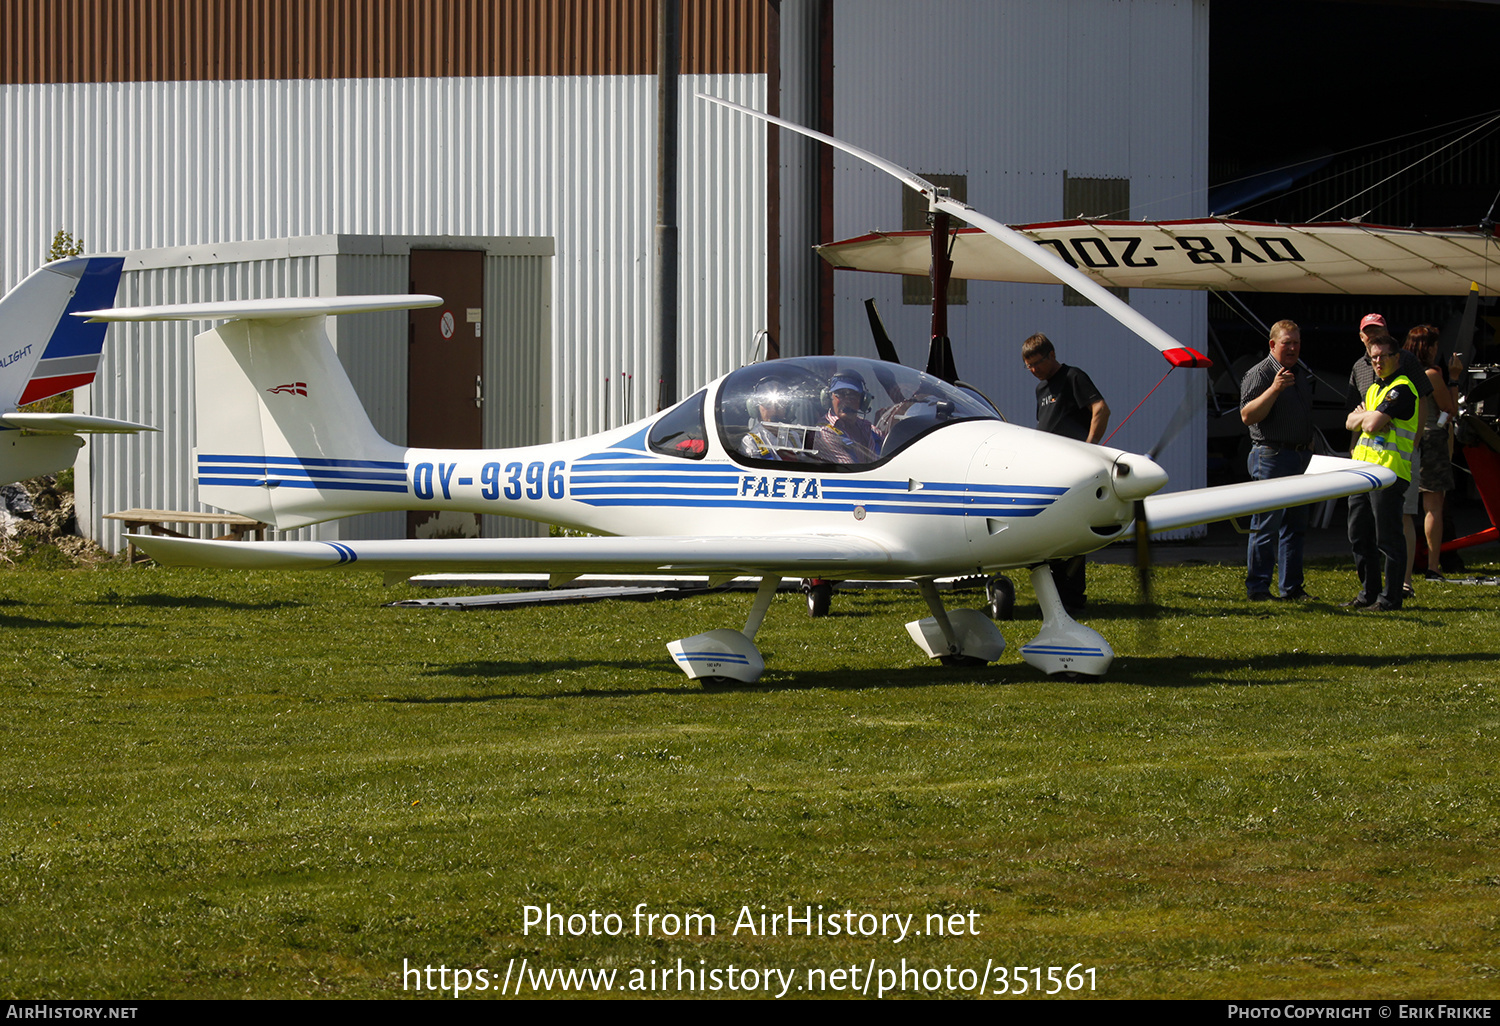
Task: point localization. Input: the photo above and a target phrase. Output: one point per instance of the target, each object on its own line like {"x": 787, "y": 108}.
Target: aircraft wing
{"x": 70, "y": 424}
{"x": 263, "y": 309}
{"x": 1327, "y": 477}
{"x": 800, "y": 555}
{"x": 1211, "y": 253}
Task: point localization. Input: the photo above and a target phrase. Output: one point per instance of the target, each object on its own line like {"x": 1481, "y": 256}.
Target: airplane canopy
{"x": 838, "y": 412}
{"x": 1214, "y": 253}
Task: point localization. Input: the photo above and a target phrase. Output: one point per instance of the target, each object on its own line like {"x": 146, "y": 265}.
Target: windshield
{"x": 835, "y": 411}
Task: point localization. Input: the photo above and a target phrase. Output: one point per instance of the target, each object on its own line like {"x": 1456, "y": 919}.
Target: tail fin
{"x": 43, "y": 351}
{"x": 281, "y": 433}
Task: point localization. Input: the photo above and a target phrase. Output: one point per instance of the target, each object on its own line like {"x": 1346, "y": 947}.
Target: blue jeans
{"x": 1276, "y": 537}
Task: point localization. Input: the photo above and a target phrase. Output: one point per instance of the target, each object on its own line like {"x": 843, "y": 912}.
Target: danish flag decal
{"x": 291, "y": 388}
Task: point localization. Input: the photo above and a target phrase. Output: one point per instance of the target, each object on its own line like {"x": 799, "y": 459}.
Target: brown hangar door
{"x": 445, "y": 371}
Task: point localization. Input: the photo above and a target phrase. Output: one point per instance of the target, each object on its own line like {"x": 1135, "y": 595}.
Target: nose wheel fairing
{"x": 1063, "y": 645}
{"x": 723, "y": 654}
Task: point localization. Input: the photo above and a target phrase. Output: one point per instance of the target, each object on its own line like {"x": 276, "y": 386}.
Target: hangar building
{"x": 240, "y": 148}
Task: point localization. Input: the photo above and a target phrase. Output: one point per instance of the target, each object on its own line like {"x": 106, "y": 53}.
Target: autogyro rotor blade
{"x": 1464, "y": 345}
{"x": 1175, "y": 352}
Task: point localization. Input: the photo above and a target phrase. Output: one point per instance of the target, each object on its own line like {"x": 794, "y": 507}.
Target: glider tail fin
{"x": 45, "y": 352}
{"x": 281, "y": 434}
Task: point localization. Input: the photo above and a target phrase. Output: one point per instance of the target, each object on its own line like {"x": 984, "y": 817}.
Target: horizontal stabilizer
{"x": 71, "y": 424}
{"x": 265, "y": 309}
{"x": 836, "y": 555}
{"x": 1327, "y": 477}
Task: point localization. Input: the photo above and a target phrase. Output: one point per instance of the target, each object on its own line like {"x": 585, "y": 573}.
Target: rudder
{"x": 47, "y": 352}
{"x": 281, "y": 434}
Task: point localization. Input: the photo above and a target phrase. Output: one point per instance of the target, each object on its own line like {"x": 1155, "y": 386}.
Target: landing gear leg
{"x": 959, "y": 637}
{"x": 719, "y": 656}
{"x": 1063, "y": 647}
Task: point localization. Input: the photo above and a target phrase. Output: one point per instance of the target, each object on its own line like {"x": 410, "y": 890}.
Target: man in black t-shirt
{"x": 1067, "y": 404}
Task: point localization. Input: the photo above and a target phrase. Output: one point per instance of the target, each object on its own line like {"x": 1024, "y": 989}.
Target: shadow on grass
{"x": 32, "y": 622}
{"x": 492, "y": 669}
{"x": 1181, "y": 671}
{"x": 781, "y": 680}
{"x": 582, "y": 692}
{"x": 532, "y": 667}
{"x": 895, "y": 678}
{"x": 189, "y": 602}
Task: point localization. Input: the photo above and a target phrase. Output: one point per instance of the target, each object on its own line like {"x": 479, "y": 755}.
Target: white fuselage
{"x": 966, "y": 497}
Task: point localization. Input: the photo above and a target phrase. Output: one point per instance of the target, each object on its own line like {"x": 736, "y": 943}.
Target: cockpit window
{"x": 680, "y": 432}
{"x": 835, "y": 411}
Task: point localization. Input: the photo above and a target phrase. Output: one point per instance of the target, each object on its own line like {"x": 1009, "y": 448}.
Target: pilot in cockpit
{"x": 848, "y": 437}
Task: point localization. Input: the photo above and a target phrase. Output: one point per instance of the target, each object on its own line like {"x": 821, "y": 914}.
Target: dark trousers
{"x": 1276, "y": 536}
{"x": 1068, "y": 575}
{"x": 1379, "y": 543}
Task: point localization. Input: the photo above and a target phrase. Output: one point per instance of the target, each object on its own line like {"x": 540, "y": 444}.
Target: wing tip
{"x": 1186, "y": 356}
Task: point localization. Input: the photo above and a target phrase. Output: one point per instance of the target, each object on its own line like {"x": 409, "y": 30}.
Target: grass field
{"x": 225, "y": 784}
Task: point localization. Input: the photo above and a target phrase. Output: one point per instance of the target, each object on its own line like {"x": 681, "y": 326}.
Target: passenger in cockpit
{"x": 769, "y": 436}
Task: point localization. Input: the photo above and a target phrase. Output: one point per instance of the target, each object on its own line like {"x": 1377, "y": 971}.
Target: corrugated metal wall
{"x": 153, "y": 164}
{"x": 1015, "y": 96}
{"x": 147, "y": 371}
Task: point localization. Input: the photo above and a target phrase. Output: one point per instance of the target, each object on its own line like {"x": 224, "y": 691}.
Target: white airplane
{"x": 827, "y": 467}
{"x": 43, "y": 352}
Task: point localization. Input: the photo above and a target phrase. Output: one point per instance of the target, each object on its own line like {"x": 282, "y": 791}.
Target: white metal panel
{"x": 153, "y": 164}
{"x": 1014, "y": 95}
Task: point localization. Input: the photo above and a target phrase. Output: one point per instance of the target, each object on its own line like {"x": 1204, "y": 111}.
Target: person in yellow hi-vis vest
{"x": 1387, "y": 426}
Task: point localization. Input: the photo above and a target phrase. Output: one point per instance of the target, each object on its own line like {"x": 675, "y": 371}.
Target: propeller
{"x": 940, "y": 360}
{"x": 883, "y": 344}
{"x": 1464, "y": 346}
{"x": 1193, "y": 400}
{"x": 1145, "y": 592}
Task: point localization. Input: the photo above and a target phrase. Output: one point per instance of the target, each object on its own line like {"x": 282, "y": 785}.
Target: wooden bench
{"x": 155, "y": 521}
